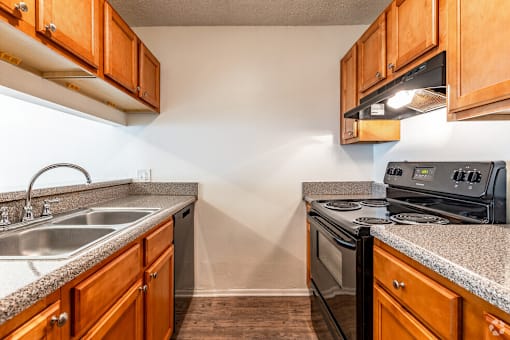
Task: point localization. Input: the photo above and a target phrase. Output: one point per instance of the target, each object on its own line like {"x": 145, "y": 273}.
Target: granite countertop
{"x": 475, "y": 257}
{"x": 24, "y": 282}
{"x": 313, "y": 197}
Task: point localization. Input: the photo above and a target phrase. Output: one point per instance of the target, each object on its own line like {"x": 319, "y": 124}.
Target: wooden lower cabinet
{"x": 42, "y": 326}
{"x": 428, "y": 306}
{"x": 392, "y": 321}
{"x": 124, "y": 320}
{"x": 159, "y": 300}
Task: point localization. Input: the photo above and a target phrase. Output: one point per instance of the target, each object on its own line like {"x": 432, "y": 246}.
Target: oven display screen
{"x": 424, "y": 173}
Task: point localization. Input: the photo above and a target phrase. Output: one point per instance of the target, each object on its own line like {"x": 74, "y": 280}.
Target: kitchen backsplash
{"x": 79, "y": 196}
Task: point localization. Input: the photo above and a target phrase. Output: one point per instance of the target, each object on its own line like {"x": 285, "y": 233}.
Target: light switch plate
{"x": 143, "y": 175}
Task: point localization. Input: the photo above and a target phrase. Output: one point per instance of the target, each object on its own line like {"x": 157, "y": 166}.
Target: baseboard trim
{"x": 250, "y": 292}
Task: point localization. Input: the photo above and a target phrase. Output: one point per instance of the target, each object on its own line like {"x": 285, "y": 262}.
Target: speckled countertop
{"x": 475, "y": 257}
{"x": 24, "y": 282}
{"x": 311, "y": 198}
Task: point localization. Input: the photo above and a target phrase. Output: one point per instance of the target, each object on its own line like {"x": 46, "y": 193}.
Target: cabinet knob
{"x": 153, "y": 275}
{"x": 60, "y": 320}
{"x": 378, "y": 75}
{"x": 145, "y": 94}
{"x": 391, "y": 66}
{"x": 398, "y": 285}
{"x": 51, "y": 27}
{"x": 138, "y": 88}
{"x": 143, "y": 288}
{"x": 21, "y": 6}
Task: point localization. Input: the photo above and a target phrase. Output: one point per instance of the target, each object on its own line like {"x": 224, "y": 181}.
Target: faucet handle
{"x": 28, "y": 214}
{"x": 4, "y": 217}
{"x": 47, "y": 207}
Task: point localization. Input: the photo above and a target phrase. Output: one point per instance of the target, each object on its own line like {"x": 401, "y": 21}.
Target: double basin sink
{"x": 65, "y": 236}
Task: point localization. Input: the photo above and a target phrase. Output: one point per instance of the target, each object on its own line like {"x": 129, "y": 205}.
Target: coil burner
{"x": 375, "y": 203}
{"x": 416, "y": 218}
{"x": 343, "y": 205}
{"x": 368, "y": 221}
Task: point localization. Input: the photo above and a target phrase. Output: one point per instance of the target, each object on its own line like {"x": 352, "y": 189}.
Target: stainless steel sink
{"x": 105, "y": 216}
{"x": 50, "y": 242}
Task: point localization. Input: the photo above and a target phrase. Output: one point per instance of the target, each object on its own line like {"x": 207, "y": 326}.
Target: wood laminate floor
{"x": 248, "y": 318}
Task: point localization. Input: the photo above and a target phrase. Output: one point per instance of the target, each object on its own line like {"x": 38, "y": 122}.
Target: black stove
{"x": 426, "y": 193}
{"x": 417, "y": 193}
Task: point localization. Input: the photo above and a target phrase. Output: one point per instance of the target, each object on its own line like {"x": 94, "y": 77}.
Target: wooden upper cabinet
{"x": 415, "y": 25}
{"x": 40, "y": 326}
{"x": 73, "y": 25}
{"x": 348, "y": 91}
{"x": 21, "y": 10}
{"x": 120, "y": 50}
{"x": 372, "y": 54}
{"x": 478, "y": 58}
{"x": 149, "y": 76}
{"x": 159, "y": 302}
{"x": 349, "y": 80}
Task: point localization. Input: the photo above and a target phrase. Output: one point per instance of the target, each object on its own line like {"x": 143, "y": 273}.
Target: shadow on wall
{"x": 235, "y": 255}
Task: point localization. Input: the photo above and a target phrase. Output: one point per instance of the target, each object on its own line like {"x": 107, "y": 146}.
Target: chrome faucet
{"x": 28, "y": 214}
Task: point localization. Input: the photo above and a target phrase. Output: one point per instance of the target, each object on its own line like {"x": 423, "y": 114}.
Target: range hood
{"x": 424, "y": 85}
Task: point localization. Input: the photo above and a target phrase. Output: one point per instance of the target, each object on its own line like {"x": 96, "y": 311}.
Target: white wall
{"x": 249, "y": 112}
{"x": 429, "y": 137}
{"x": 34, "y": 136}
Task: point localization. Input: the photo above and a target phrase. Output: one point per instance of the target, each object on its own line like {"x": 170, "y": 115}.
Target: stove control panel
{"x": 474, "y": 179}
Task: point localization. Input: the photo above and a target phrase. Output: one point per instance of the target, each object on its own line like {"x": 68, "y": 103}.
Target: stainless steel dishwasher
{"x": 184, "y": 270}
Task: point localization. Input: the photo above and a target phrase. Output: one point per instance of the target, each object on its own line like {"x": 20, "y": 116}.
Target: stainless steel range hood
{"x": 424, "y": 86}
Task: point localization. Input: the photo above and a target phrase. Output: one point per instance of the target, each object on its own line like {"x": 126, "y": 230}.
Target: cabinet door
{"x": 124, "y": 320}
{"x": 23, "y": 10}
{"x": 391, "y": 321}
{"x": 372, "y": 54}
{"x": 478, "y": 53}
{"x": 416, "y": 26}
{"x": 149, "y": 77}
{"x": 159, "y": 302}
{"x": 40, "y": 326}
{"x": 73, "y": 25}
{"x": 120, "y": 50}
{"x": 348, "y": 90}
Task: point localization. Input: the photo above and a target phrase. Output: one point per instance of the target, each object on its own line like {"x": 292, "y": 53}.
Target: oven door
{"x": 333, "y": 270}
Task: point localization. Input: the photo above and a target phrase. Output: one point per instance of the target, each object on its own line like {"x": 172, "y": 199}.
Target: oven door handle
{"x": 349, "y": 244}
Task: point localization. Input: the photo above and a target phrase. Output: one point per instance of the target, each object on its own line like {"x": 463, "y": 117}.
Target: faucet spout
{"x": 28, "y": 214}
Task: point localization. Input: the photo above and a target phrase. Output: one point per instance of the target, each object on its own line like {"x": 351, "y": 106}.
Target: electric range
{"x": 421, "y": 193}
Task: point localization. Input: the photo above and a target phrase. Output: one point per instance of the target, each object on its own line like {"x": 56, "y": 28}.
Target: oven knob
{"x": 398, "y": 172}
{"x": 459, "y": 175}
{"x": 390, "y": 171}
{"x": 474, "y": 177}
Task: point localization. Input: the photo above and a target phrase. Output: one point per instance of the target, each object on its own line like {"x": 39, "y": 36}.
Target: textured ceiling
{"x": 248, "y": 12}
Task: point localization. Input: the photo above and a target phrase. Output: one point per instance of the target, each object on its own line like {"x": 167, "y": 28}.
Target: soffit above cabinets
{"x": 248, "y": 12}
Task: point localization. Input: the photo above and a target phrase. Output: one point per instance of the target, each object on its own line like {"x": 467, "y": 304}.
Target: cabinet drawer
{"x": 425, "y": 298}
{"x": 93, "y": 296}
{"x": 158, "y": 241}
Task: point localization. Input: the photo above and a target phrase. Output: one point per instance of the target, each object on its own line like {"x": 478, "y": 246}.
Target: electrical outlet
{"x": 143, "y": 175}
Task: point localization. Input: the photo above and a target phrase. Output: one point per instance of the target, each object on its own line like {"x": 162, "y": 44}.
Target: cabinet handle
{"x": 153, "y": 275}
{"x": 51, "y": 27}
{"x": 60, "y": 320}
{"x": 143, "y": 288}
{"x": 21, "y": 6}
{"x": 378, "y": 75}
{"x": 398, "y": 285}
